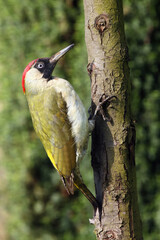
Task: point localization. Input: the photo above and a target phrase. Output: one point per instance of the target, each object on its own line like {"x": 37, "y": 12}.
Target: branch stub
{"x": 101, "y": 23}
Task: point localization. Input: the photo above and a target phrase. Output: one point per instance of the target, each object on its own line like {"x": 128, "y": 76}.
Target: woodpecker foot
{"x": 103, "y": 100}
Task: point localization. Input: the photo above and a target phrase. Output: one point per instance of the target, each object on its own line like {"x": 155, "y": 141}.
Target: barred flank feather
{"x": 69, "y": 184}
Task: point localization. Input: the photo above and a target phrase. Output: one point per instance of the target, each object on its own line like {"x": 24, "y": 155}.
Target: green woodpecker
{"x": 59, "y": 119}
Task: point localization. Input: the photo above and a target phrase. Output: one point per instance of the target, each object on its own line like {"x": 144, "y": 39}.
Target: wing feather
{"x": 53, "y": 127}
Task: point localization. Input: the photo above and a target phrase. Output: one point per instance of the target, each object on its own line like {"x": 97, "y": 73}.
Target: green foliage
{"x": 143, "y": 36}
{"x": 33, "y": 201}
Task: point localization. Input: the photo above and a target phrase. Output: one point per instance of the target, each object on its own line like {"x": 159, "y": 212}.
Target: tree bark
{"x": 113, "y": 141}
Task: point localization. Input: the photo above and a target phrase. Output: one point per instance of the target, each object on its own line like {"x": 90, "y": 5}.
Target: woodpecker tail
{"x": 78, "y": 182}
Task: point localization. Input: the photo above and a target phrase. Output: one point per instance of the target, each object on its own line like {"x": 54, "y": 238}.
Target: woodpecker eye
{"x": 40, "y": 65}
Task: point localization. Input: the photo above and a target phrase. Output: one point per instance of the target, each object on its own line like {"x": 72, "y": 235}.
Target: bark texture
{"x": 113, "y": 142}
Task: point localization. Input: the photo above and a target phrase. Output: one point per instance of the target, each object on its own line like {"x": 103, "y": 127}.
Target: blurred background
{"x": 33, "y": 202}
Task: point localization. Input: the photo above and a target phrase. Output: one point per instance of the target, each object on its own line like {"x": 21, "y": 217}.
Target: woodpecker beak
{"x": 54, "y": 59}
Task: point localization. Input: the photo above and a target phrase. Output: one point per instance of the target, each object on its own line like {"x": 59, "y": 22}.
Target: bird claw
{"x": 103, "y": 100}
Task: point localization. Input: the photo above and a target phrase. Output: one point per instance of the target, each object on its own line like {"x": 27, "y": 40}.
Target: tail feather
{"x": 76, "y": 179}
{"x": 78, "y": 182}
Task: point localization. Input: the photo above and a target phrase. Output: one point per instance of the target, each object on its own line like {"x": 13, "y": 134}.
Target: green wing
{"x": 51, "y": 123}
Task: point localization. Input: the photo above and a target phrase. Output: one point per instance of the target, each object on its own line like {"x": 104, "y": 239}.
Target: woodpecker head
{"x": 42, "y": 68}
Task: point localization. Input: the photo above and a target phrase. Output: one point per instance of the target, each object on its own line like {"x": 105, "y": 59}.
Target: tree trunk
{"x": 112, "y": 141}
